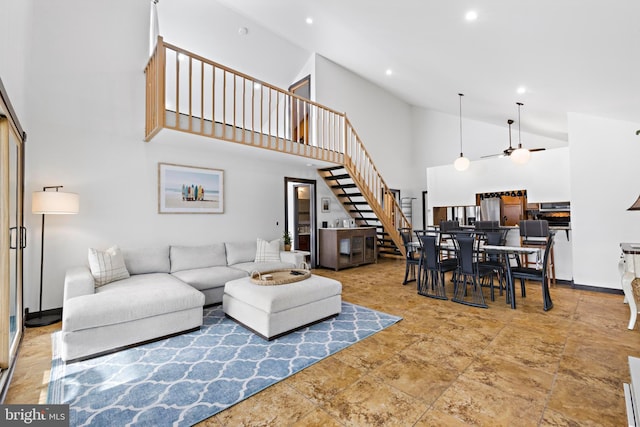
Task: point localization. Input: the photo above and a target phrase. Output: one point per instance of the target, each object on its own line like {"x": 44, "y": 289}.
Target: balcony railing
{"x": 189, "y": 93}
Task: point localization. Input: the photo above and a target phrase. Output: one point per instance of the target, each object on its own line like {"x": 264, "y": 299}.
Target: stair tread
{"x": 331, "y": 168}
{"x": 337, "y": 177}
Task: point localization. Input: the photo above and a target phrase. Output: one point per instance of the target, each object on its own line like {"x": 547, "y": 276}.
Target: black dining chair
{"x": 487, "y": 225}
{"x": 446, "y": 226}
{"x": 432, "y": 268}
{"x": 447, "y": 229}
{"x": 494, "y": 262}
{"x": 540, "y": 274}
{"x": 534, "y": 233}
{"x": 412, "y": 255}
{"x": 468, "y": 287}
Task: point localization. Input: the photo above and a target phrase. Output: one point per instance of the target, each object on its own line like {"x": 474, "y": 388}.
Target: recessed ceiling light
{"x": 522, "y": 90}
{"x": 389, "y": 71}
{"x": 243, "y": 31}
{"x": 472, "y": 15}
{"x": 309, "y": 20}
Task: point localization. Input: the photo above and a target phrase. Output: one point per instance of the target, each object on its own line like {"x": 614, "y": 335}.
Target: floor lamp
{"x": 50, "y": 203}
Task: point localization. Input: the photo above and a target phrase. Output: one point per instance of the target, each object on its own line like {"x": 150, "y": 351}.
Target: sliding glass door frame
{"x": 13, "y": 242}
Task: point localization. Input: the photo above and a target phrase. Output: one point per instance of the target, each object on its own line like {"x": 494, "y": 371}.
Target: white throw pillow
{"x": 268, "y": 251}
{"x": 107, "y": 266}
{"x": 238, "y": 252}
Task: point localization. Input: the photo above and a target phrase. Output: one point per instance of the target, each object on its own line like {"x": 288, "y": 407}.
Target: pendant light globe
{"x": 461, "y": 163}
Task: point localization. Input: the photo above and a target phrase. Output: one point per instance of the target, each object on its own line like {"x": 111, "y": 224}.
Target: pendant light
{"x": 461, "y": 163}
{"x": 520, "y": 155}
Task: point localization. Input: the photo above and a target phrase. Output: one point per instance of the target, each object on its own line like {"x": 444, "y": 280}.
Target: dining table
{"x": 516, "y": 251}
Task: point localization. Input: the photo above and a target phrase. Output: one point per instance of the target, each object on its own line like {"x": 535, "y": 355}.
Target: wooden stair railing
{"x": 189, "y": 93}
{"x": 344, "y": 188}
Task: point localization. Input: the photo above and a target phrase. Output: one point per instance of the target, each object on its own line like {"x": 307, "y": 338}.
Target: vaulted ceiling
{"x": 571, "y": 55}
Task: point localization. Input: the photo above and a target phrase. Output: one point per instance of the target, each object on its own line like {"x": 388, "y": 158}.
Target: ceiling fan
{"x": 509, "y": 150}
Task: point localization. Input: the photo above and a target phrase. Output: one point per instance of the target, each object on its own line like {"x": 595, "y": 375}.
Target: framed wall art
{"x": 325, "y": 203}
{"x": 189, "y": 189}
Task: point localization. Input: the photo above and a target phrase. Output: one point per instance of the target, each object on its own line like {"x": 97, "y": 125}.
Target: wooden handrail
{"x": 223, "y": 103}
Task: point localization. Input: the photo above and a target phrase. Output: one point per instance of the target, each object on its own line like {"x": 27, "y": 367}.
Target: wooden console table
{"x": 630, "y": 270}
{"x": 347, "y": 247}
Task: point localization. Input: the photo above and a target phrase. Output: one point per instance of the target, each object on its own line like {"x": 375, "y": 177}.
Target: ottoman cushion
{"x": 273, "y": 311}
{"x": 272, "y": 299}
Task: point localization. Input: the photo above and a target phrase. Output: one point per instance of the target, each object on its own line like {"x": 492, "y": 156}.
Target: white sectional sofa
{"x": 163, "y": 294}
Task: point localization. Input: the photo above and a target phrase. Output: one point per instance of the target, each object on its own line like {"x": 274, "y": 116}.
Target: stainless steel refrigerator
{"x": 491, "y": 209}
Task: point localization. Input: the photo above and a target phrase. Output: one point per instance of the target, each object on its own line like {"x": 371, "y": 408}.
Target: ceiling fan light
{"x": 520, "y": 156}
{"x": 461, "y": 163}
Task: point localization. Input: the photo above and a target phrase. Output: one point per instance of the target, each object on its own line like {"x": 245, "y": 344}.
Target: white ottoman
{"x": 273, "y": 311}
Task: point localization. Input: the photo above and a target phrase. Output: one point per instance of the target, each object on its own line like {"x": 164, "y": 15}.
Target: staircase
{"x": 192, "y": 94}
{"x": 351, "y": 197}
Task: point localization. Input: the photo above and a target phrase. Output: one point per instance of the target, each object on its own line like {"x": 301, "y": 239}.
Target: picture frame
{"x": 190, "y": 189}
{"x": 325, "y": 204}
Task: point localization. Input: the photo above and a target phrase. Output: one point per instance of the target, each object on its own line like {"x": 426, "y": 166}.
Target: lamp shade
{"x": 635, "y": 206}
{"x": 54, "y": 202}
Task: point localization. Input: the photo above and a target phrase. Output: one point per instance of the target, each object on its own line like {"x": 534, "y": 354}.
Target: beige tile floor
{"x": 443, "y": 364}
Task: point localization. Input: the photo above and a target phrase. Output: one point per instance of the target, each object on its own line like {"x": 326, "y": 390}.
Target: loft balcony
{"x": 188, "y": 93}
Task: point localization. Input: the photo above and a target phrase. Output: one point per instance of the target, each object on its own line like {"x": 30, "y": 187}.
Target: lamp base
{"x": 38, "y": 321}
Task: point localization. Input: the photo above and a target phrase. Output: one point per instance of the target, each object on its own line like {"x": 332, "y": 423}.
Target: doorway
{"x": 300, "y": 110}
{"x": 300, "y": 215}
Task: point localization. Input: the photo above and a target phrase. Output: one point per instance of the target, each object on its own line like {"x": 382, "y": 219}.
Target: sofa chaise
{"x": 154, "y": 292}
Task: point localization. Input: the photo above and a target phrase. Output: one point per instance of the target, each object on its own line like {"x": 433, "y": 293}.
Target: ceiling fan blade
{"x": 492, "y": 155}
{"x": 536, "y": 149}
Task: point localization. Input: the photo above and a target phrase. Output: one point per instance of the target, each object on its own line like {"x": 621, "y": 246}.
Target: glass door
{"x": 11, "y": 249}
{"x": 17, "y": 240}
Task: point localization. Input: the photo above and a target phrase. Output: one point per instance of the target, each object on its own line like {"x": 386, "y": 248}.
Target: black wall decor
{"x": 518, "y": 193}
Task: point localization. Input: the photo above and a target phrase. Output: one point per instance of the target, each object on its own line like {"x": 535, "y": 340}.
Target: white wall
{"x": 604, "y": 183}
{"x": 545, "y": 177}
{"x": 84, "y": 91}
{"x": 382, "y": 121}
{"x": 214, "y": 35}
{"x": 437, "y": 137}
{"x": 14, "y": 27}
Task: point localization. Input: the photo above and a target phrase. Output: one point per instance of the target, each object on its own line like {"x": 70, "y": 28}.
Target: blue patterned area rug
{"x": 185, "y": 379}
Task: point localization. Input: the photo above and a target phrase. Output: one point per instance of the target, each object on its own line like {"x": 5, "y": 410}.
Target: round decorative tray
{"x": 279, "y": 277}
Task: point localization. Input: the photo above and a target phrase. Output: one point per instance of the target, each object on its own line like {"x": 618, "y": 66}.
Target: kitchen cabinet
{"x": 347, "y": 247}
